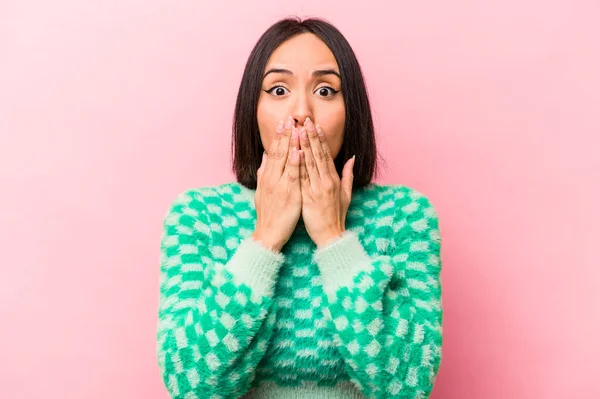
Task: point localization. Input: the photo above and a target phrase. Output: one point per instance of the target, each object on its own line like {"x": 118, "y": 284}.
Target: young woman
{"x": 303, "y": 278}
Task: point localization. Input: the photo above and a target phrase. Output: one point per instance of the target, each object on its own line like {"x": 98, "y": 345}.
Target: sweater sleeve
{"x": 214, "y": 314}
{"x": 385, "y": 311}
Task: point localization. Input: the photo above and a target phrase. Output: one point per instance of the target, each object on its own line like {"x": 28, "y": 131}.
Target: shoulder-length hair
{"x": 359, "y": 135}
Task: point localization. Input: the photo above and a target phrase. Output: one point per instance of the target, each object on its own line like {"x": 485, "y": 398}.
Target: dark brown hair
{"x": 359, "y": 135}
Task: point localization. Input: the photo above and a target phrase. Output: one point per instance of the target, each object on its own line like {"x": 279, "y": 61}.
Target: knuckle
{"x": 267, "y": 185}
{"x": 274, "y": 145}
{"x": 277, "y": 154}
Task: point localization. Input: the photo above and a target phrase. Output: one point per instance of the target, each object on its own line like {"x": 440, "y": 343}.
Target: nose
{"x": 298, "y": 119}
{"x": 302, "y": 109}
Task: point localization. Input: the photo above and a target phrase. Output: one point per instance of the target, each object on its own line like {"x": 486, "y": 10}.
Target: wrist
{"x": 329, "y": 238}
{"x": 270, "y": 244}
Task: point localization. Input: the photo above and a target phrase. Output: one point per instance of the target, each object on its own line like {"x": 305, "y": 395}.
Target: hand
{"x": 325, "y": 198}
{"x": 278, "y": 200}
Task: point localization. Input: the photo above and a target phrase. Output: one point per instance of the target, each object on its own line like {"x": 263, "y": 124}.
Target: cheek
{"x": 333, "y": 124}
{"x": 267, "y": 121}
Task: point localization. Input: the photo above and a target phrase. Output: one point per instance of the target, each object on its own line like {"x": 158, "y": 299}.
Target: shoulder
{"x": 413, "y": 210}
{"x": 416, "y": 214}
{"x": 206, "y": 197}
{"x": 407, "y": 199}
{"x": 213, "y": 203}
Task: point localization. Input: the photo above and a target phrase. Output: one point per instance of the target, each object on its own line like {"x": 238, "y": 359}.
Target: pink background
{"x": 109, "y": 109}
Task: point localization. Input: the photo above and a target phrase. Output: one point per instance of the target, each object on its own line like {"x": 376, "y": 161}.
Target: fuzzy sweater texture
{"x": 360, "y": 317}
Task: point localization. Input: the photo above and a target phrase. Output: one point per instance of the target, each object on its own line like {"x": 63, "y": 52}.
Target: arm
{"x": 214, "y": 317}
{"x": 385, "y": 312}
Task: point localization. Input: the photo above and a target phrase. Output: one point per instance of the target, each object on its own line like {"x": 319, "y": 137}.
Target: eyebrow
{"x": 317, "y": 73}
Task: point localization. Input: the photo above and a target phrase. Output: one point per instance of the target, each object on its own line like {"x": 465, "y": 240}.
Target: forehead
{"x": 304, "y": 51}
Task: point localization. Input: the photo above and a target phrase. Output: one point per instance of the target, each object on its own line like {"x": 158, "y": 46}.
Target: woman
{"x": 301, "y": 279}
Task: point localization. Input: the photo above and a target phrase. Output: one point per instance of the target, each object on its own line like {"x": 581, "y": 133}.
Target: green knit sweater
{"x": 360, "y": 317}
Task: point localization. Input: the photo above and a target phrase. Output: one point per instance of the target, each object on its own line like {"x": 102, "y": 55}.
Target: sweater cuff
{"x": 341, "y": 260}
{"x": 255, "y": 265}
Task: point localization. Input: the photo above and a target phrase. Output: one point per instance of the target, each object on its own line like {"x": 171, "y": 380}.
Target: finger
{"x": 273, "y": 151}
{"x": 348, "y": 177}
{"x": 281, "y": 155}
{"x": 303, "y": 175}
{"x": 316, "y": 148}
{"x": 292, "y": 166}
{"x": 310, "y": 164}
{"x": 326, "y": 151}
{"x": 261, "y": 168}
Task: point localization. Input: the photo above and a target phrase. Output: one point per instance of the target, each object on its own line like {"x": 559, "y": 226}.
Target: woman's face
{"x": 300, "y": 92}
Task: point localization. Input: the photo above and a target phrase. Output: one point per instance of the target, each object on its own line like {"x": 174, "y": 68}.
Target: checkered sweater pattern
{"x": 361, "y": 315}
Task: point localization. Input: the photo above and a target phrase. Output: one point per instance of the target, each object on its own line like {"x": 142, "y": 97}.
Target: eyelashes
{"x": 331, "y": 89}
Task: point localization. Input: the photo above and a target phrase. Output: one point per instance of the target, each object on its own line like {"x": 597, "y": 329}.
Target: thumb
{"x": 348, "y": 176}
{"x": 261, "y": 168}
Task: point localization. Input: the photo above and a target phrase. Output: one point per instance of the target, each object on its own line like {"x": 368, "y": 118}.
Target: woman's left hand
{"x": 325, "y": 198}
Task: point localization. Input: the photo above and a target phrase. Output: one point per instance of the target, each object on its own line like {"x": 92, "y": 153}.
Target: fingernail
{"x": 279, "y": 127}
{"x": 303, "y": 133}
{"x": 294, "y": 152}
{"x": 288, "y": 123}
{"x": 319, "y": 130}
{"x": 294, "y": 133}
{"x": 309, "y": 124}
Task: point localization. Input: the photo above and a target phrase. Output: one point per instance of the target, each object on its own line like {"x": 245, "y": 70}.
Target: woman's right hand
{"x": 278, "y": 199}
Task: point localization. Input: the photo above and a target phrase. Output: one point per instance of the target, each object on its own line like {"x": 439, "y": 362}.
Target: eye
{"x": 280, "y": 90}
{"x": 323, "y": 90}
{"x": 326, "y": 89}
